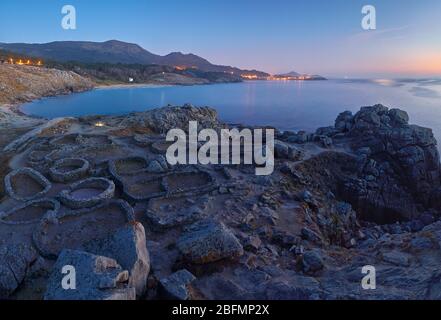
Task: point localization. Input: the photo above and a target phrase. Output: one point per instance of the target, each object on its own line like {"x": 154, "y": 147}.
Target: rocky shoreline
{"x": 20, "y": 84}
{"x": 23, "y": 84}
{"x": 361, "y": 192}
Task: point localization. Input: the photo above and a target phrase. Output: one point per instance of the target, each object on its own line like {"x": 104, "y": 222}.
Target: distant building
{"x": 131, "y": 79}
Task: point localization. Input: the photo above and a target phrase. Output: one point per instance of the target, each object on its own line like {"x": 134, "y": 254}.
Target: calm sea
{"x": 290, "y": 105}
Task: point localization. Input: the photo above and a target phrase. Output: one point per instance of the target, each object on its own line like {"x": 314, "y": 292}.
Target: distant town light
{"x": 100, "y": 124}
{"x": 249, "y": 76}
{"x": 24, "y": 61}
{"x": 287, "y": 78}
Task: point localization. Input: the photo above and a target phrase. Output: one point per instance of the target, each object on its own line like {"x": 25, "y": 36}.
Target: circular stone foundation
{"x": 128, "y": 166}
{"x": 39, "y": 153}
{"x": 26, "y": 184}
{"x": 72, "y": 229}
{"x": 30, "y": 212}
{"x": 65, "y": 140}
{"x": 143, "y": 188}
{"x": 88, "y": 193}
{"x": 69, "y": 169}
{"x": 97, "y": 142}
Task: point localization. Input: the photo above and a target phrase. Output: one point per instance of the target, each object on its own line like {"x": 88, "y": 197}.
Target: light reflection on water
{"x": 288, "y": 105}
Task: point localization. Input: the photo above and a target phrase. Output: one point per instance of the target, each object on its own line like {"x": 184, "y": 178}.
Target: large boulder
{"x": 97, "y": 278}
{"x": 209, "y": 241}
{"x": 128, "y": 247}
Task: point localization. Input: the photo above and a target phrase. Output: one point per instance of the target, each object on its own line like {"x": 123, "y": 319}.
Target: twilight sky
{"x": 313, "y": 36}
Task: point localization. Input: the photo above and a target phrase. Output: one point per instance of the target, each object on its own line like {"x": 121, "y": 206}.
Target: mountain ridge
{"x": 116, "y": 51}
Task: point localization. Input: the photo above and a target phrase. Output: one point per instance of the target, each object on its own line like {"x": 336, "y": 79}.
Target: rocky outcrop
{"x": 362, "y": 192}
{"x": 398, "y": 164}
{"x": 26, "y": 83}
{"x": 163, "y": 119}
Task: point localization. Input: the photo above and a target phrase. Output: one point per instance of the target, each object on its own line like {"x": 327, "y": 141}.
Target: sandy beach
{"x": 125, "y": 86}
